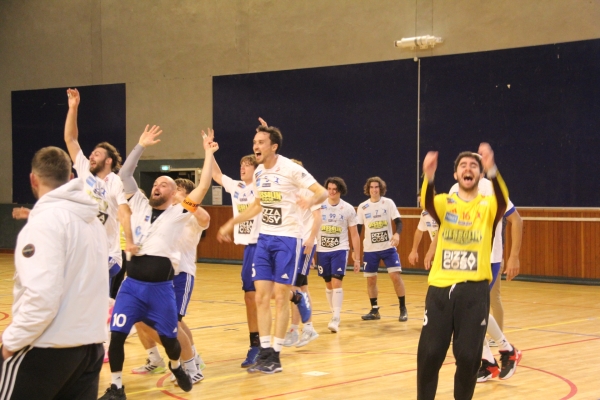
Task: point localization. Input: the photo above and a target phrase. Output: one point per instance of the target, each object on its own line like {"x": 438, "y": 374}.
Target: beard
{"x": 157, "y": 201}
{"x": 475, "y": 184}
{"x": 99, "y": 167}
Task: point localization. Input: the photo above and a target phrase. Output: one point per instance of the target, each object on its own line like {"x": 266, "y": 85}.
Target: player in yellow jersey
{"x": 458, "y": 297}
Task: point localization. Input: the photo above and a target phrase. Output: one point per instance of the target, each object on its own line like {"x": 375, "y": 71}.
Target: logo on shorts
{"x": 271, "y": 216}
{"x": 285, "y": 276}
{"x": 28, "y": 250}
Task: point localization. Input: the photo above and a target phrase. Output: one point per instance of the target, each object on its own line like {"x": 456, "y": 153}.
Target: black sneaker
{"x": 271, "y": 365}
{"x": 372, "y": 315}
{"x": 183, "y": 379}
{"x": 263, "y": 356}
{"x": 487, "y": 371}
{"x": 112, "y": 393}
{"x": 509, "y": 361}
{"x": 403, "y": 315}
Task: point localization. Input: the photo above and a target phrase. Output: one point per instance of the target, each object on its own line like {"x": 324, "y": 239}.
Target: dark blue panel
{"x": 352, "y": 121}
{"x": 38, "y": 120}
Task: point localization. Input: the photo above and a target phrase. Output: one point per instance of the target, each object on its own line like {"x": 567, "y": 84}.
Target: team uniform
{"x": 109, "y": 195}
{"x": 307, "y": 221}
{"x": 428, "y": 224}
{"x": 333, "y": 243}
{"x": 279, "y": 242}
{"x": 246, "y": 233}
{"x": 377, "y": 218}
{"x": 457, "y": 301}
{"x": 59, "y": 310}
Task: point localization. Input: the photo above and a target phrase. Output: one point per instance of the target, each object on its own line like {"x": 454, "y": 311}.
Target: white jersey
{"x": 377, "y": 219}
{"x": 335, "y": 221}
{"x": 427, "y": 223}
{"x": 109, "y": 194}
{"x": 161, "y": 237}
{"x": 242, "y": 196}
{"x": 486, "y": 188}
{"x": 188, "y": 244}
{"x": 61, "y": 275}
{"x": 278, "y": 188}
{"x": 306, "y": 216}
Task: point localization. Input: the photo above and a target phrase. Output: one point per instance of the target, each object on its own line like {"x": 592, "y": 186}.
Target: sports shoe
{"x": 263, "y": 357}
{"x": 334, "y": 325}
{"x": 196, "y": 377}
{"x": 307, "y": 337}
{"x": 200, "y": 365}
{"x": 184, "y": 381}
{"x": 105, "y": 357}
{"x": 492, "y": 343}
{"x": 403, "y": 315}
{"x": 487, "y": 370}
{"x": 304, "y": 306}
{"x": 112, "y": 393}
{"x": 251, "y": 357}
{"x": 150, "y": 368}
{"x": 509, "y": 361}
{"x": 291, "y": 338}
{"x": 271, "y": 365}
{"x": 372, "y": 315}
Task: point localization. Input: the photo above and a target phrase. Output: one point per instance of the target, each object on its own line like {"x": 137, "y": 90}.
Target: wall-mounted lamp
{"x": 423, "y": 42}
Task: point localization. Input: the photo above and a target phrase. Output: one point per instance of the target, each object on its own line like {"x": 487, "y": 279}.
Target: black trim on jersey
{"x": 155, "y": 214}
{"x": 398, "y": 223}
{"x": 150, "y": 268}
{"x": 359, "y": 228}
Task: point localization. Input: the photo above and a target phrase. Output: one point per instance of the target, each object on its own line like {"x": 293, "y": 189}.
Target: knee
{"x": 172, "y": 347}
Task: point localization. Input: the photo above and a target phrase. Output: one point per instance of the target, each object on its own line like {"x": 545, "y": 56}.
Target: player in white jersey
{"x": 379, "y": 243}
{"x": 426, "y": 224}
{"x": 338, "y": 228}
{"x": 101, "y": 183}
{"x": 243, "y": 193}
{"x": 278, "y": 181}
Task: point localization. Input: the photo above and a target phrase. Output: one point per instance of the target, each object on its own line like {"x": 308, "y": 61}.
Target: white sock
{"x": 496, "y": 333}
{"x": 293, "y": 328}
{"x": 278, "y": 344}
{"x": 174, "y": 364}
{"x": 265, "y": 341}
{"x": 194, "y": 350}
{"x": 308, "y": 327}
{"x": 329, "y": 295}
{"x": 190, "y": 366}
{"x": 116, "y": 379}
{"x": 338, "y": 297}
{"x": 154, "y": 355}
{"x": 486, "y": 354}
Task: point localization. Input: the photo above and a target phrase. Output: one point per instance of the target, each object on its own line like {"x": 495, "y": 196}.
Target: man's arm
{"x": 148, "y": 138}
{"x": 217, "y": 175}
{"x": 20, "y": 213}
{"x": 413, "y": 257}
{"x": 210, "y": 147}
{"x": 355, "y": 239}
{"x": 430, "y": 253}
{"x": 396, "y": 236}
{"x": 516, "y": 234}
{"x": 124, "y": 213}
{"x": 319, "y": 196}
{"x": 226, "y": 231}
{"x": 71, "y": 131}
{"x": 314, "y": 231}
{"x": 427, "y": 191}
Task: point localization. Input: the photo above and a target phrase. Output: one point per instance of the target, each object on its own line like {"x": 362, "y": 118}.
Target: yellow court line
{"x": 546, "y": 326}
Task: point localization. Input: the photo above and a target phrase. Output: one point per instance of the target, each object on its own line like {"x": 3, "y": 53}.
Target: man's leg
{"x": 371, "y": 260}
{"x": 496, "y": 299}
{"x": 250, "y": 302}
{"x": 400, "y": 292}
{"x": 308, "y": 331}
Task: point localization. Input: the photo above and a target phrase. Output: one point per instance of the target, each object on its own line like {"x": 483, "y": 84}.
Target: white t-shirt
{"x": 188, "y": 244}
{"x": 486, "y": 188}
{"x": 278, "y": 188}
{"x": 427, "y": 223}
{"x": 109, "y": 194}
{"x": 377, "y": 219}
{"x": 335, "y": 221}
{"x": 242, "y": 196}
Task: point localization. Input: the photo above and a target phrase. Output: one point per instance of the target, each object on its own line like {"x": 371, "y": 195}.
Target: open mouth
{"x": 468, "y": 178}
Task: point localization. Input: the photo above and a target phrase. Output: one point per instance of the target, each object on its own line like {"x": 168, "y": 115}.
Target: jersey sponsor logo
{"x": 378, "y": 224}
{"x": 257, "y": 174}
{"x": 241, "y": 185}
{"x": 323, "y": 207}
{"x": 324, "y": 217}
{"x": 452, "y": 218}
{"x": 465, "y": 223}
{"x": 90, "y": 181}
{"x": 379, "y": 237}
{"x": 245, "y": 227}
{"x": 267, "y": 197}
{"x": 147, "y": 218}
{"x": 450, "y": 201}
{"x": 331, "y": 229}
{"x": 271, "y": 216}
{"x": 462, "y": 237}
{"x": 242, "y": 207}
{"x": 330, "y": 241}
{"x": 266, "y": 184}
{"x": 103, "y": 217}
{"x": 100, "y": 192}
{"x": 365, "y": 206}
{"x": 434, "y": 234}
{"x": 459, "y": 260}
{"x": 236, "y": 195}
{"x": 368, "y": 215}
{"x": 28, "y": 251}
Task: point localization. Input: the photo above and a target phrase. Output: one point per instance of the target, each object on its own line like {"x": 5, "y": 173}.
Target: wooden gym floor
{"x": 556, "y": 326}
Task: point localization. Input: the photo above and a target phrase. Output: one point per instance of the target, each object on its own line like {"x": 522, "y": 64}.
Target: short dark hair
{"x": 52, "y": 165}
{"x": 250, "y": 159}
{"x": 339, "y": 183}
{"x": 468, "y": 154}
{"x": 186, "y": 184}
{"x": 274, "y": 135}
{"x": 113, "y": 154}
{"x": 382, "y": 185}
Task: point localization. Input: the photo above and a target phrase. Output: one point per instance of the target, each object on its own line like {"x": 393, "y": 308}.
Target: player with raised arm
{"x": 377, "y": 214}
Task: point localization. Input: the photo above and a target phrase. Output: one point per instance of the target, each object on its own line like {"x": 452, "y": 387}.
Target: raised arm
{"x": 217, "y": 175}
{"x": 148, "y": 138}
{"x": 71, "y": 131}
{"x": 500, "y": 190}
{"x": 427, "y": 198}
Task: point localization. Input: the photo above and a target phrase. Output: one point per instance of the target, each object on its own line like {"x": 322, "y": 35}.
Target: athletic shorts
{"x": 495, "y": 273}
{"x": 332, "y": 262}
{"x": 183, "y": 284}
{"x": 150, "y": 302}
{"x": 247, "y": 282}
{"x": 305, "y": 261}
{"x": 276, "y": 259}
{"x": 390, "y": 259}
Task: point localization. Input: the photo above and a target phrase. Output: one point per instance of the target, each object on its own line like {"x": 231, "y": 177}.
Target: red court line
{"x": 4, "y": 316}
{"x": 572, "y": 386}
{"x": 159, "y": 384}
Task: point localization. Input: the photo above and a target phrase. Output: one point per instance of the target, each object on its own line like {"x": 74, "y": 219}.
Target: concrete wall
{"x": 167, "y": 51}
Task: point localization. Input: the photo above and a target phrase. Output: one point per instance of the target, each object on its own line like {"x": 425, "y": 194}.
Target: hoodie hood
{"x": 69, "y": 196}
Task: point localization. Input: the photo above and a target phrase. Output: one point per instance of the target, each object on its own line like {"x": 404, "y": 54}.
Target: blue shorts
{"x": 276, "y": 259}
{"x": 390, "y": 259}
{"x": 495, "y": 273}
{"x": 305, "y": 261}
{"x": 247, "y": 282}
{"x": 183, "y": 284}
{"x": 332, "y": 262}
{"x": 150, "y": 302}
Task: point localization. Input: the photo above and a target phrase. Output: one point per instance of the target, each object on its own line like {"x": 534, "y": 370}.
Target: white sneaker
{"x": 334, "y": 325}
{"x": 200, "y": 365}
{"x": 307, "y": 337}
{"x": 150, "y": 368}
{"x": 291, "y": 337}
